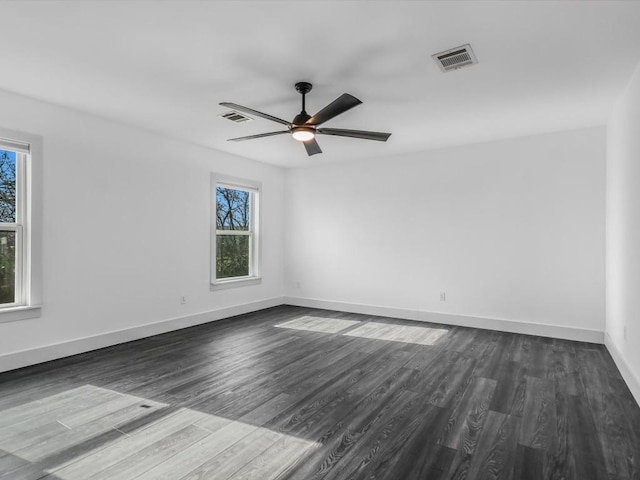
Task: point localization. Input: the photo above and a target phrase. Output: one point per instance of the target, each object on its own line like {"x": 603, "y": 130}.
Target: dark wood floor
{"x": 476, "y": 404}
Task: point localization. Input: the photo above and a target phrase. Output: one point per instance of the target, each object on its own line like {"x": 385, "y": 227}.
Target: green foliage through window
{"x": 232, "y": 256}
{"x": 7, "y": 267}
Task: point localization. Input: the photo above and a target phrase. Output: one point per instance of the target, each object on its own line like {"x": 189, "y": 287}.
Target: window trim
{"x": 28, "y": 226}
{"x": 255, "y": 249}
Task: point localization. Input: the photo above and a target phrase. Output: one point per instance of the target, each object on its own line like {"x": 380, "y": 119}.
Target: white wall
{"x": 623, "y": 233}
{"x": 126, "y": 230}
{"x": 510, "y": 230}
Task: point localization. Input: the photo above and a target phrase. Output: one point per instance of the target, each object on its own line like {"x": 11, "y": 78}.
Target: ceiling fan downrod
{"x": 303, "y": 88}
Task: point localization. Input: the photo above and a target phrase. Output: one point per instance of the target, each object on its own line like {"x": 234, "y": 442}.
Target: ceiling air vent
{"x": 236, "y": 117}
{"x": 455, "y": 58}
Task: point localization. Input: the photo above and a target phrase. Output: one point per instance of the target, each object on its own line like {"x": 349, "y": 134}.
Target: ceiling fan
{"x": 305, "y": 127}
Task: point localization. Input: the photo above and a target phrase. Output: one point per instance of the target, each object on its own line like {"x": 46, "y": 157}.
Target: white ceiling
{"x": 165, "y": 66}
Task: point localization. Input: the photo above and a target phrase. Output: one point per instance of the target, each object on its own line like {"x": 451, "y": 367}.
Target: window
{"x": 20, "y": 213}
{"x": 11, "y": 227}
{"x": 235, "y": 239}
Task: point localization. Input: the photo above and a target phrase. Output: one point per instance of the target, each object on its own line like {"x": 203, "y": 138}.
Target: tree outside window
{"x": 7, "y": 218}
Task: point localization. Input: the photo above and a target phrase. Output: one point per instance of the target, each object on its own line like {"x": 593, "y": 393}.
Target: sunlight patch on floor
{"x": 102, "y": 434}
{"x": 318, "y": 324}
{"x": 398, "y": 333}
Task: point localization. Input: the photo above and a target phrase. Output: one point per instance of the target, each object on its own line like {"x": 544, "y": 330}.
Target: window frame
{"x": 28, "y": 225}
{"x": 255, "y": 191}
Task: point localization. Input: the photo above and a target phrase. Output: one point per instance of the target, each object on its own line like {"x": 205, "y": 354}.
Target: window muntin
{"x": 235, "y": 240}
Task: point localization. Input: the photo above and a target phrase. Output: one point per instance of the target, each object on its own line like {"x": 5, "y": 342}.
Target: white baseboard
{"x": 631, "y": 379}
{"x": 511, "y": 326}
{"x": 24, "y": 358}
{"x": 12, "y": 361}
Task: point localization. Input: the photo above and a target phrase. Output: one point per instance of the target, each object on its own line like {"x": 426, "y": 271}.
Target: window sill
{"x": 239, "y": 282}
{"x": 13, "y": 314}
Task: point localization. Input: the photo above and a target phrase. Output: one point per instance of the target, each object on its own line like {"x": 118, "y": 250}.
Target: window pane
{"x": 233, "y": 209}
{"x": 7, "y": 186}
{"x": 7, "y": 266}
{"x": 232, "y": 256}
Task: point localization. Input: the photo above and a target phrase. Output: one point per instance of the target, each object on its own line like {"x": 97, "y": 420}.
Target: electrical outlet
{"x": 183, "y": 299}
{"x": 443, "y": 296}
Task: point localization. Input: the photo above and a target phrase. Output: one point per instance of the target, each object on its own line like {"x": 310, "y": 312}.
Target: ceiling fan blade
{"x": 251, "y": 111}
{"x": 259, "y": 135}
{"x": 312, "y": 147}
{"x": 340, "y": 105}
{"x": 363, "y": 134}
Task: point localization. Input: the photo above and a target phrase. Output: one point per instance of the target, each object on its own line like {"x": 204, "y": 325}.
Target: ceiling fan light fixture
{"x": 303, "y": 134}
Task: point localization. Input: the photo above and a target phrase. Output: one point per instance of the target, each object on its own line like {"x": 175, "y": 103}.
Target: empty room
{"x": 314, "y": 239}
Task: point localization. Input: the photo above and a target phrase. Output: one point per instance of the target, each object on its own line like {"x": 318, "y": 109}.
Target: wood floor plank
{"x": 60, "y": 405}
{"x": 154, "y": 454}
{"x": 622, "y": 429}
{"x": 92, "y": 413}
{"x": 438, "y": 371}
{"x": 352, "y": 425}
{"x": 423, "y": 358}
{"x": 394, "y": 450}
{"x": 495, "y": 454}
{"x": 12, "y": 465}
{"x": 278, "y": 459}
{"x": 211, "y": 384}
{"x": 540, "y": 360}
{"x": 211, "y": 454}
{"x": 462, "y": 339}
{"x": 58, "y": 456}
{"x": 509, "y": 394}
{"x": 565, "y": 373}
{"x": 451, "y": 387}
{"x": 468, "y": 417}
{"x": 529, "y": 463}
{"x": 333, "y": 397}
{"x": 322, "y": 371}
{"x": 319, "y": 324}
{"x": 559, "y": 463}
{"x": 114, "y": 424}
{"x": 539, "y": 415}
{"x": 416, "y": 464}
{"x": 25, "y": 472}
{"x": 38, "y": 432}
{"x": 420, "y": 335}
{"x": 292, "y": 380}
{"x": 226, "y": 463}
{"x": 583, "y": 437}
{"x": 97, "y": 461}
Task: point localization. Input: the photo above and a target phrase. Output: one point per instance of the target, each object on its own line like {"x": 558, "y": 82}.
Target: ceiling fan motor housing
{"x": 301, "y": 118}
